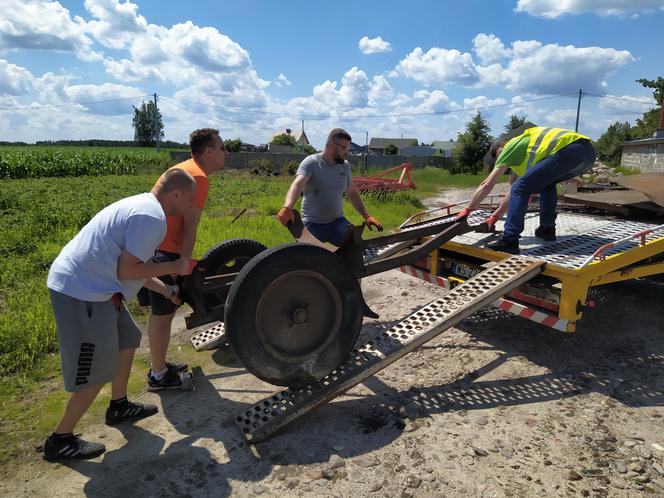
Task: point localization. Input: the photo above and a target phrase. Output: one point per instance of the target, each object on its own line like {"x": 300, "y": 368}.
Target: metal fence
{"x": 243, "y": 160}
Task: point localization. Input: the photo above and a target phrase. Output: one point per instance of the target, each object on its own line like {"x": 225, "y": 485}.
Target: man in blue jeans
{"x": 539, "y": 158}
{"x": 323, "y": 179}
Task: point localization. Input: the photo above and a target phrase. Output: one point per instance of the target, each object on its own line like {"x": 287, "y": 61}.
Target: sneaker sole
{"x": 59, "y": 458}
{"x": 157, "y": 389}
{"x": 135, "y": 418}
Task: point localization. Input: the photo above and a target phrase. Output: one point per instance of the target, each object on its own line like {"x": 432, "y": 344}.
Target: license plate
{"x": 464, "y": 271}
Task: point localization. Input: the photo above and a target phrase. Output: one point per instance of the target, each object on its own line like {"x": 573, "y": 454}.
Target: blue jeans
{"x": 570, "y": 161}
{"x": 332, "y": 232}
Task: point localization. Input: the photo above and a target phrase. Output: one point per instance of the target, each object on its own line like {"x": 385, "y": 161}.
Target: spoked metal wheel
{"x": 229, "y": 256}
{"x": 294, "y": 314}
{"x": 207, "y": 295}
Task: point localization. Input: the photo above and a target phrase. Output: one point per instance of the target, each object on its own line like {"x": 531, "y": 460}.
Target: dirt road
{"x": 498, "y": 406}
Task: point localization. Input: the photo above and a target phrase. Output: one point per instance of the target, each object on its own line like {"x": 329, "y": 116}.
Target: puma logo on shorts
{"x": 84, "y": 363}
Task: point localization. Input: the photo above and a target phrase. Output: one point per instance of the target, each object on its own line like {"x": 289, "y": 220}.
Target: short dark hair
{"x": 337, "y": 134}
{"x": 176, "y": 179}
{"x": 199, "y": 139}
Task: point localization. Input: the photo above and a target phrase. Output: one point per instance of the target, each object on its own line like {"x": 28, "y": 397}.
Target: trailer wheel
{"x": 293, "y": 314}
{"x": 229, "y": 256}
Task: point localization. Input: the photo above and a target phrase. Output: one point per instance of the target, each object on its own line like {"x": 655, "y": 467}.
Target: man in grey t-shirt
{"x": 323, "y": 179}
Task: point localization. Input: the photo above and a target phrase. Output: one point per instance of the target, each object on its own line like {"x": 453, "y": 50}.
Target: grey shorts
{"x": 90, "y": 336}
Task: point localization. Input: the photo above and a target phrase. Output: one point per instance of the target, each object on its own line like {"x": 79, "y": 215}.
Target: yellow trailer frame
{"x": 612, "y": 251}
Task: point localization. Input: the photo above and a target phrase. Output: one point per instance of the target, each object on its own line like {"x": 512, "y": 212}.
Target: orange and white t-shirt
{"x": 173, "y": 240}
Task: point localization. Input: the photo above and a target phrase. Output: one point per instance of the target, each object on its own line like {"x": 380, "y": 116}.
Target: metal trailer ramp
{"x": 271, "y": 414}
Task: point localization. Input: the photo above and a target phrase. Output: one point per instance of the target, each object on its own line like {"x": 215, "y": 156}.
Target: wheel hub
{"x": 298, "y": 315}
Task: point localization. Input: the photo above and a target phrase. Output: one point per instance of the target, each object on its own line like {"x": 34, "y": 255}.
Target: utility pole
{"x": 366, "y": 150}
{"x": 156, "y": 122}
{"x": 578, "y": 110}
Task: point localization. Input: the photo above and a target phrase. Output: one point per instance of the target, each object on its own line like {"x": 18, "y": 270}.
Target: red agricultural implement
{"x": 379, "y": 185}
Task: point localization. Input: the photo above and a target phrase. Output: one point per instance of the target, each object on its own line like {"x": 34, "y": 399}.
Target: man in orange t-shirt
{"x": 208, "y": 154}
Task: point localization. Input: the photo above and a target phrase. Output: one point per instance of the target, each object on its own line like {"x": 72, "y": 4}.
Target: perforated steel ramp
{"x": 271, "y": 414}
{"x": 210, "y": 338}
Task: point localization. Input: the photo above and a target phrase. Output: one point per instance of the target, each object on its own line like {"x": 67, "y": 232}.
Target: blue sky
{"x": 419, "y": 69}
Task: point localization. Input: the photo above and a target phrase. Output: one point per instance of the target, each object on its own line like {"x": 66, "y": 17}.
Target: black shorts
{"x": 159, "y": 304}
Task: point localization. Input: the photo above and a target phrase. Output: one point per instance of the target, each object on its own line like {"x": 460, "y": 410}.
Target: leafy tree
{"x": 147, "y": 123}
{"x": 391, "y": 150}
{"x": 472, "y": 145}
{"x": 646, "y": 125}
{"x": 309, "y": 149}
{"x": 233, "y": 145}
{"x": 658, "y": 94}
{"x": 609, "y": 145}
{"x": 515, "y": 121}
{"x": 283, "y": 139}
{"x": 414, "y": 142}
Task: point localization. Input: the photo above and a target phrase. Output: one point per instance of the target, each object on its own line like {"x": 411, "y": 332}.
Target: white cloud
{"x": 482, "y": 101}
{"x": 58, "y": 89}
{"x": 14, "y": 80}
{"x": 552, "y": 9}
{"x": 380, "y": 89}
{"x": 552, "y": 69}
{"x": 489, "y": 48}
{"x": 527, "y": 66}
{"x": 116, "y": 22}
{"x": 42, "y": 25}
{"x": 374, "y": 45}
{"x": 439, "y": 66}
{"x": 282, "y": 80}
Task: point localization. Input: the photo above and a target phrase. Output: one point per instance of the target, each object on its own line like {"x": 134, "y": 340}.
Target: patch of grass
{"x": 625, "y": 170}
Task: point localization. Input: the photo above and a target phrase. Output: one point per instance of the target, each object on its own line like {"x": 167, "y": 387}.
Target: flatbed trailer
{"x": 590, "y": 251}
{"x": 548, "y": 283}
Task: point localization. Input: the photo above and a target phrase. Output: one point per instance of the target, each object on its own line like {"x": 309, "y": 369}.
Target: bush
{"x": 263, "y": 167}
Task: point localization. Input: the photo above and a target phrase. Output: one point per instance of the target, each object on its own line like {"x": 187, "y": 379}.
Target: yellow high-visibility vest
{"x": 543, "y": 143}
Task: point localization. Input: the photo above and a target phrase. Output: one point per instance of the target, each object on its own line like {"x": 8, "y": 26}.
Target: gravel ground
{"x": 497, "y": 406}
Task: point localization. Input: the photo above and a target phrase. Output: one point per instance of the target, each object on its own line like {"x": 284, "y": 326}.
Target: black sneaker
{"x": 171, "y": 380}
{"x": 178, "y": 367}
{"x": 546, "y": 233}
{"x": 131, "y": 412}
{"x": 502, "y": 245}
{"x": 73, "y": 448}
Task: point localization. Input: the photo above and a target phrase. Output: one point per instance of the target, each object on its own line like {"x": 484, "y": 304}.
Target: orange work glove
{"x": 371, "y": 221}
{"x": 462, "y": 214}
{"x": 491, "y": 220}
{"x": 285, "y": 215}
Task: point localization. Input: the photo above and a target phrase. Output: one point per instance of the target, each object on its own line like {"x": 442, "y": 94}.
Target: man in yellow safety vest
{"x": 539, "y": 158}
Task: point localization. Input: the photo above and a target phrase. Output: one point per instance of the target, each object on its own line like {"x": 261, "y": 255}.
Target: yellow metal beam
{"x": 622, "y": 260}
{"x": 629, "y": 273}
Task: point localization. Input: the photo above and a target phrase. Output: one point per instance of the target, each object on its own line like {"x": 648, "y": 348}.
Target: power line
{"x": 46, "y": 106}
{"x": 618, "y": 98}
{"x": 622, "y": 111}
{"x": 346, "y": 116}
{"x": 234, "y": 122}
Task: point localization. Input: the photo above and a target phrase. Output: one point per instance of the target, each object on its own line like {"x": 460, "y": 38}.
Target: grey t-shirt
{"x": 323, "y": 193}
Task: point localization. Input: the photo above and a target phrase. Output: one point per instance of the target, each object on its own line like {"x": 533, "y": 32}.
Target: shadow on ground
{"x": 617, "y": 351}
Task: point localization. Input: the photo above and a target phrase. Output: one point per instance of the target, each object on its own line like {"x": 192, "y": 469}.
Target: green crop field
{"x": 17, "y": 162}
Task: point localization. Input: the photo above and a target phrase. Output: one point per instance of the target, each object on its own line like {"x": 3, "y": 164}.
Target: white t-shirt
{"x": 87, "y": 267}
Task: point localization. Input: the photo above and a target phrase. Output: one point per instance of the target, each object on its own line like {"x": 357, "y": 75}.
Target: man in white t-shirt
{"x": 107, "y": 262}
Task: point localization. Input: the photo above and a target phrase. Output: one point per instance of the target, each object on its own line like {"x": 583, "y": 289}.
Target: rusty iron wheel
{"x": 293, "y": 314}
